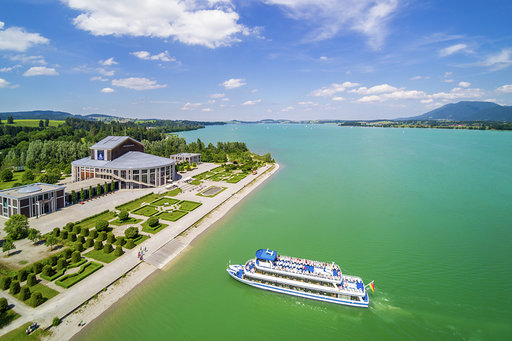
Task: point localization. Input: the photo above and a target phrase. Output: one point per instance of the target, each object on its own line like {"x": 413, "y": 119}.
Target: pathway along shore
{"x": 157, "y": 259}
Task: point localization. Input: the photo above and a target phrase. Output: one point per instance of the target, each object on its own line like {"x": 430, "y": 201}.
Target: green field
{"x": 130, "y": 220}
{"x": 165, "y": 202}
{"x": 153, "y": 230}
{"x": 47, "y": 292}
{"x": 138, "y": 240}
{"x": 7, "y": 317}
{"x": 173, "y": 193}
{"x": 101, "y": 256}
{"x": 171, "y": 215}
{"x": 32, "y": 122}
{"x": 130, "y": 206}
{"x": 195, "y": 182}
{"x": 147, "y": 210}
{"x": 85, "y": 270}
{"x": 91, "y": 221}
{"x": 17, "y": 175}
{"x": 189, "y": 205}
{"x": 19, "y": 334}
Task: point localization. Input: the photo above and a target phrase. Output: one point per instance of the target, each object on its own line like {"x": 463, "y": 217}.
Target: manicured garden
{"x": 128, "y": 221}
{"x": 132, "y": 205}
{"x": 91, "y": 221}
{"x": 153, "y": 225}
{"x": 189, "y": 205}
{"x": 85, "y": 270}
{"x": 231, "y": 173}
{"x": 146, "y": 210}
{"x": 165, "y": 202}
{"x": 171, "y": 215}
{"x": 172, "y": 193}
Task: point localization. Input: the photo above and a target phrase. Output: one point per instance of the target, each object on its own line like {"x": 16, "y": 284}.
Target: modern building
{"x": 31, "y": 200}
{"x": 186, "y": 157}
{"x": 122, "y": 158}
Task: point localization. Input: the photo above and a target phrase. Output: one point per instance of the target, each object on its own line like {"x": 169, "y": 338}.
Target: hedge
{"x": 120, "y": 207}
{"x": 85, "y": 270}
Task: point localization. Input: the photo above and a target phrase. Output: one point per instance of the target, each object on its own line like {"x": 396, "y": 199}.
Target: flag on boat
{"x": 372, "y": 286}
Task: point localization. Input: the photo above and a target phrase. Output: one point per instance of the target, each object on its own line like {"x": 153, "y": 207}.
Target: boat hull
{"x": 237, "y": 272}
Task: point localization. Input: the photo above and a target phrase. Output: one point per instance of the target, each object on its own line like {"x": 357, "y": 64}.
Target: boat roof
{"x": 266, "y": 254}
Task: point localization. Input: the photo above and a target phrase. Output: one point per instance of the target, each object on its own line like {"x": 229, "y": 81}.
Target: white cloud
{"x": 9, "y": 69}
{"x": 415, "y": 78}
{"x": 206, "y": 109}
{"x": 4, "y": 83}
{"x": 427, "y": 101}
{"x": 458, "y": 93}
{"x": 163, "y": 56}
{"x": 448, "y": 74}
{"x": 211, "y": 24}
{"x": 17, "y": 39}
{"x": 99, "y": 78}
{"x": 465, "y": 84}
{"x": 448, "y": 80}
{"x": 499, "y": 61}
{"x": 104, "y": 72}
{"x": 328, "y": 91}
{"x": 448, "y": 51}
{"x": 108, "y": 62}
{"x": 338, "y": 99}
{"x": 40, "y": 71}
{"x": 27, "y": 59}
{"x": 107, "y": 90}
{"x": 233, "y": 83}
{"x": 331, "y": 17}
{"x": 252, "y": 102}
{"x": 506, "y": 89}
{"x": 377, "y": 89}
{"x": 396, "y": 95}
{"x": 290, "y": 108}
{"x": 217, "y": 95}
{"x": 190, "y": 106}
{"x": 323, "y": 58}
{"x": 136, "y": 83}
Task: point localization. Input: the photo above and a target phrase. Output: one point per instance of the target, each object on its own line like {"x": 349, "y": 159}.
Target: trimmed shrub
{"x": 47, "y": 270}
{"x": 153, "y": 221}
{"x": 36, "y": 299}
{"x": 102, "y": 235}
{"x": 89, "y": 242}
{"x": 84, "y": 231}
{"x": 130, "y": 244}
{"x": 120, "y": 241}
{"x": 37, "y": 268}
{"x": 107, "y": 248}
{"x": 131, "y": 232}
{"x": 72, "y": 237}
{"x": 111, "y": 239}
{"x": 56, "y": 232}
{"x": 76, "y": 229}
{"x": 53, "y": 260}
{"x": 69, "y": 227}
{"x": 67, "y": 253}
{"x": 31, "y": 280}
{"x": 123, "y": 215}
{"x": 24, "y": 293}
{"x": 93, "y": 234}
{"x": 64, "y": 234}
{"x": 14, "y": 288}
{"x": 80, "y": 239}
{"x": 5, "y": 283}
{"x": 118, "y": 251}
{"x": 61, "y": 263}
{"x": 98, "y": 245}
{"x": 56, "y": 321}
{"x": 75, "y": 258}
{"x": 4, "y": 306}
{"x": 22, "y": 275}
{"x": 78, "y": 247}
{"x": 101, "y": 225}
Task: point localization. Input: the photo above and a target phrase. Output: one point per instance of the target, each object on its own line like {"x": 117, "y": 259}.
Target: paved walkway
{"x": 72, "y": 298}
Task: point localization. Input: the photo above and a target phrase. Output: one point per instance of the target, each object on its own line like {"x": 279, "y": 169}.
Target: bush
{"x": 67, "y": 253}
{"x": 61, "y": 263}
{"x": 24, "y": 293}
{"x": 130, "y": 244}
{"x": 22, "y": 275}
{"x": 89, "y": 242}
{"x": 123, "y": 215}
{"x": 102, "y": 235}
{"x": 84, "y": 231}
{"x": 107, "y": 248}
{"x": 76, "y": 229}
{"x": 153, "y": 221}
{"x": 76, "y": 257}
{"x": 4, "y": 306}
{"x": 56, "y": 321}
{"x": 69, "y": 227}
{"x": 53, "y": 260}
{"x": 131, "y": 232}
{"x": 111, "y": 239}
{"x": 120, "y": 241}
{"x": 47, "y": 270}
{"x": 72, "y": 237}
{"x": 6, "y": 175}
{"x": 56, "y": 232}
{"x": 93, "y": 234}
{"x": 78, "y": 247}
{"x": 14, "y": 288}
{"x": 37, "y": 268}
{"x": 80, "y": 239}
{"x": 31, "y": 280}
{"x": 98, "y": 245}
{"x": 119, "y": 251}
{"x": 5, "y": 283}
{"x": 101, "y": 225}
{"x": 36, "y": 299}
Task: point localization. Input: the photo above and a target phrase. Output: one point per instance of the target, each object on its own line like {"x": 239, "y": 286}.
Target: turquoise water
{"x": 425, "y": 213}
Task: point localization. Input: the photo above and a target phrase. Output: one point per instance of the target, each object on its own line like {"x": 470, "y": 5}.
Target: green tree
{"x": 17, "y": 226}
{"x": 111, "y": 239}
{"x": 6, "y": 175}
{"x": 69, "y": 227}
{"x": 107, "y": 248}
{"x": 98, "y": 245}
{"x": 76, "y": 229}
{"x": 5, "y": 283}
{"x": 75, "y": 258}
{"x": 41, "y": 124}
{"x": 131, "y": 232}
{"x": 10, "y": 120}
{"x": 24, "y": 293}
{"x": 36, "y": 299}
{"x": 4, "y": 306}
{"x": 56, "y": 321}
{"x": 56, "y": 232}
{"x": 118, "y": 251}
{"x": 113, "y": 186}
{"x": 123, "y": 215}
{"x": 98, "y": 190}
{"x": 120, "y": 240}
{"x": 93, "y": 234}
{"x": 67, "y": 253}
{"x": 28, "y": 176}
{"x": 153, "y": 221}
{"x": 72, "y": 237}
{"x": 73, "y": 196}
{"x": 34, "y": 235}
{"x": 8, "y": 245}
{"x": 84, "y": 231}
{"x": 31, "y": 280}
{"x": 22, "y": 275}
{"x": 89, "y": 242}
{"x": 101, "y": 225}
{"x": 90, "y": 192}
{"x": 37, "y": 268}
{"x": 130, "y": 244}
{"x": 46, "y": 122}
{"x": 47, "y": 270}
{"x": 61, "y": 263}
{"x": 105, "y": 187}
{"x": 82, "y": 194}
{"x": 50, "y": 241}
{"x": 79, "y": 246}
{"x": 14, "y": 288}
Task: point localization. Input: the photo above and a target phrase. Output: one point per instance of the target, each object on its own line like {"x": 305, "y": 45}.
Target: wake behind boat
{"x": 301, "y": 277}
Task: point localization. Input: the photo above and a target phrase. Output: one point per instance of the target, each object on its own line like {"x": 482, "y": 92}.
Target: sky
{"x": 217, "y": 60}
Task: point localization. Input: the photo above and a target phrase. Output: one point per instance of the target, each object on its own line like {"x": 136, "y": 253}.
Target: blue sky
{"x": 228, "y": 59}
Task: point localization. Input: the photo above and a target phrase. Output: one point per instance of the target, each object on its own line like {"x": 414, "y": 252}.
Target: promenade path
{"x": 70, "y": 299}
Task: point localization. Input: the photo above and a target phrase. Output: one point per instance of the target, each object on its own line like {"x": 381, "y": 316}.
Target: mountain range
{"x": 467, "y": 111}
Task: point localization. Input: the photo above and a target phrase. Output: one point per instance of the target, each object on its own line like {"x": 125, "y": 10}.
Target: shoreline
{"x": 114, "y": 293}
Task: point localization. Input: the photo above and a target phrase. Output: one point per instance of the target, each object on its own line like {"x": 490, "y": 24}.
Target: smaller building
{"x": 31, "y": 200}
{"x": 187, "y": 157}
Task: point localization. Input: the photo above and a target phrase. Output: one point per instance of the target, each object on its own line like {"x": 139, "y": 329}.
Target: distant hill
{"x": 36, "y": 114}
{"x": 468, "y": 111}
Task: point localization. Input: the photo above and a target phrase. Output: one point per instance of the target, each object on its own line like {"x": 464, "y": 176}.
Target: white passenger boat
{"x": 301, "y": 277}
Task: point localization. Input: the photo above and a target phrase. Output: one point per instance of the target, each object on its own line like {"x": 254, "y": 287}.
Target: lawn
{"x": 210, "y": 192}
{"x": 131, "y": 205}
{"x": 130, "y": 220}
{"x": 173, "y": 193}
{"x": 153, "y": 230}
{"x": 195, "y": 182}
{"x": 7, "y": 317}
{"x": 91, "y": 221}
{"x": 139, "y": 240}
{"x": 17, "y": 175}
{"x": 47, "y": 292}
{"x": 101, "y": 256}
{"x": 85, "y": 270}
{"x": 165, "y": 202}
{"x": 189, "y": 205}
{"x": 147, "y": 210}
{"x": 171, "y": 215}
{"x": 19, "y": 334}
{"x": 33, "y": 123}
{"x": 203, "y": 176}
{"x": 235, "y": 178}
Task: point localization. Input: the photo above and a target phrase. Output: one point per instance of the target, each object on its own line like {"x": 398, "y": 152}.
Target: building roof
{"x": 110, "y": 142}
{"x": 130, "y": 160}
{"x": 29, "y": 190}
{"x": 266, "y": 254}
{"x": 186, "y": 154}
